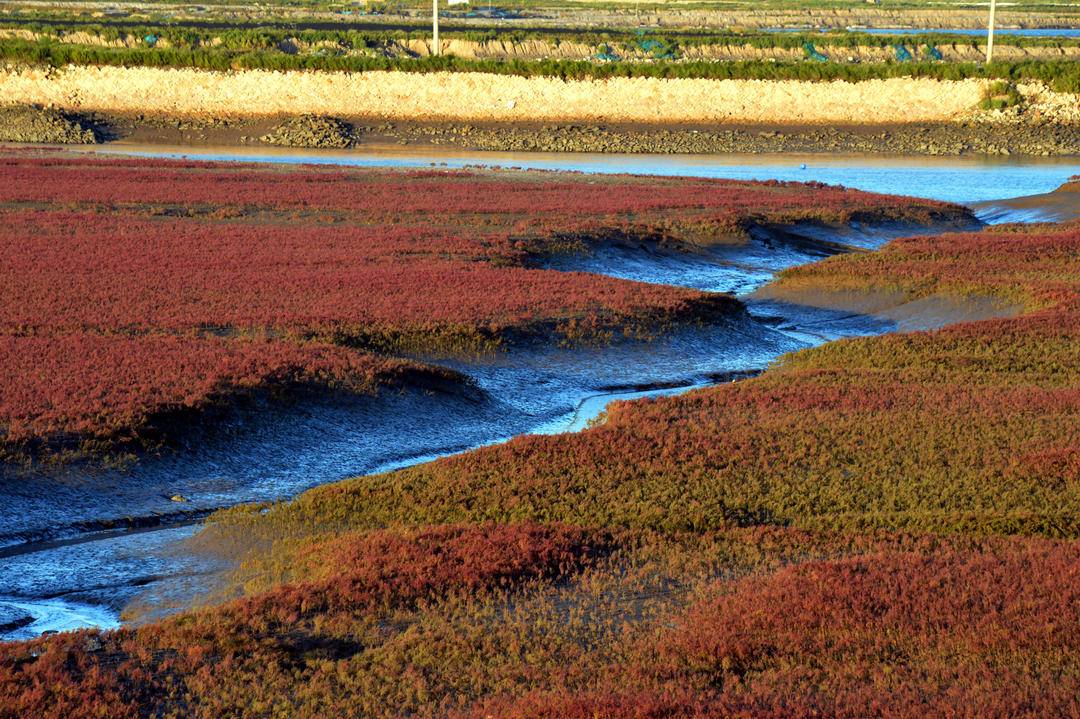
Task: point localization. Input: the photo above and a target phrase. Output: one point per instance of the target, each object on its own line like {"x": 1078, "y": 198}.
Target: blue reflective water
{"x": 952, "y": 179}
{"x": 1021, "y": 32}
{"x": 1066, "y": 32}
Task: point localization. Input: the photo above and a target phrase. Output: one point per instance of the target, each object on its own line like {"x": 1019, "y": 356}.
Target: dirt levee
{"x": 480, "y": 96}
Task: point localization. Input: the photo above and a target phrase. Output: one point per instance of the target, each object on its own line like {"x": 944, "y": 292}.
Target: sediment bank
{"x": 934, "y": 139}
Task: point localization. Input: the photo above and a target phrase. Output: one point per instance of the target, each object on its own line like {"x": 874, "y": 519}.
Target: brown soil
{"x": 925, "y": 313}
{"x": 935, "y": 139}
{"x": 311, "y": 131}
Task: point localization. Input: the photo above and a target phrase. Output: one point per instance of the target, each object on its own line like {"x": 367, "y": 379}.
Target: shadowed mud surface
{"x": 1061, "y": 205}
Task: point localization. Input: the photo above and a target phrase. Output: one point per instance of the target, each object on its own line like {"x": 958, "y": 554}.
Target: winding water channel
{"x": 78, "y": 544}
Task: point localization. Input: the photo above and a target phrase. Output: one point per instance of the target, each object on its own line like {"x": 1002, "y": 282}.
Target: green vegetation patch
{"x": 1062, "y": 76}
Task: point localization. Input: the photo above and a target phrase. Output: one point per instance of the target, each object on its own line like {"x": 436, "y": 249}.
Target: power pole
{"x": 990, "y": 33}
{"x": 436, "y": 47}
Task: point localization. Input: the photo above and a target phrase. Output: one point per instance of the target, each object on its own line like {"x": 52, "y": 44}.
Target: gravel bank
{"x": 31, "y": 124}
{"x": 311, "y": 131}
{"x": 1044, "y": 139}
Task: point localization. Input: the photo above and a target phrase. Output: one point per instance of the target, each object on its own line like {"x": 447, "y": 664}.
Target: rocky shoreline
{"x": 41, "y": 125}
{"x": 973, "y": 137}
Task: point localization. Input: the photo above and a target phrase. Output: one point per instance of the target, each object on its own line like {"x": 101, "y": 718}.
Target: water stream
{"x": 965, "y": 179}
{"x": 77, "y": 544}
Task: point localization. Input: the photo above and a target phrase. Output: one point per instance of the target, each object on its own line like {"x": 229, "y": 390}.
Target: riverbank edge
{"x": 343, "y": 133}
{"x": 914, "y": 312}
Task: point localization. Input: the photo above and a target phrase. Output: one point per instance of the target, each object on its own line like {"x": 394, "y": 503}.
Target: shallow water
{"x": 951, "y": 179}
{"x": 1063, "y": 32}
{"x": 77, "y": 545}
{"x": 74, "y": 544}
{"x": 1067, "y": 32}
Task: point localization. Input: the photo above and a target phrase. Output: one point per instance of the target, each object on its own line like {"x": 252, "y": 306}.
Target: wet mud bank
{"x": 927, "y": 138}
{"x": 1030, "y": 138}
{"x": 909, "y": 310}
{"x": 905, "y": 314}
{"x": 1060, "y": 205}
{"x": 181, "y": 428}
{"x": 748, "y": 260}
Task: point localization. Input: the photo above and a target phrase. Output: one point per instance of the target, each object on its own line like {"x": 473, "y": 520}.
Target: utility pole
{"x": 990, "y": 33}
{"x": 436, "y": 47}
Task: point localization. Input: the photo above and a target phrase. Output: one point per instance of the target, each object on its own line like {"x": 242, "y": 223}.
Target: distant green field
{"x": 1056, "y": 8}
{"x": 1063, "y": 76}
{"x": 345, "y": 39}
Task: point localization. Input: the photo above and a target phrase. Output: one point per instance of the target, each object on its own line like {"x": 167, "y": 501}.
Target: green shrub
{"x": 1061, "y": 75}
{"x": 1001, "y": 95}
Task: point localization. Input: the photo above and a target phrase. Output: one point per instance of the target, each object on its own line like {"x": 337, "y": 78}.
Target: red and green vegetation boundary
{"x": 842, "y": 537}
{"x": 133, "y": 290}
{"x": 972, "y": 428}
{"x": 549, "y": 620}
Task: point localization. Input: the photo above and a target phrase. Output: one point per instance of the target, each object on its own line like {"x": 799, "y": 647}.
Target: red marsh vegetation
{"x": 133, "y": 288}
{"x": 840, "y": 537}
{"x": 95, "y": 386}
{"x": 528, "y": 204}
{"x": 973, "y": 632}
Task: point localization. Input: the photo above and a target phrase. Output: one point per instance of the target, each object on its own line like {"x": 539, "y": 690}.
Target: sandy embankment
{"x": 486, "y": 97}
{"x": 544, "y": 48}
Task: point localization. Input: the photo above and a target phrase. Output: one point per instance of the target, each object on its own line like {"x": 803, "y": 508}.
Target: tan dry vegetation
{"x": 488, "y": 97}
{"x": 541, "y": 49}
{"x": 538, "y": 49}
{"x": 672, "y": 15}
{"x": 532, "y": 49}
